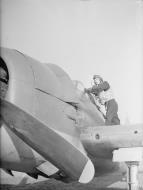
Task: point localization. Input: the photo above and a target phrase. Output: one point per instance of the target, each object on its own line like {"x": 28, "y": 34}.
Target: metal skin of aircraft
{"x": 48, "y": 123}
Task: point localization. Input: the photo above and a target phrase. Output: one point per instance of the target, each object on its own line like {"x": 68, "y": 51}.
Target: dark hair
{"x": 98, "y": 76}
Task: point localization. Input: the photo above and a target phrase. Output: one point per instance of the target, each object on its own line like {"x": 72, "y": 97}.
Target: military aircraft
{"x": 49, "y": 124}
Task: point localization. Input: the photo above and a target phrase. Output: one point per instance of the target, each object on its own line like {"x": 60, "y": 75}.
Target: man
{"x": 102, "y": 90}
{"x": 3, "y": 82}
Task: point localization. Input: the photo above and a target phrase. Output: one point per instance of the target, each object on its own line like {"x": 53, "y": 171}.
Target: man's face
{"x": 97, "y": 81}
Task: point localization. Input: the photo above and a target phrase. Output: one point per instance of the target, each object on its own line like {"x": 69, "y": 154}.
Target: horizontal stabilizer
{"x": 48, "y": 143}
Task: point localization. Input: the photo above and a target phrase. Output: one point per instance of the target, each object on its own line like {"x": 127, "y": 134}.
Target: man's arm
{"x": 88, "y": 90}
{"x": 101, "y": 87}
{"x": 97, "y": 89}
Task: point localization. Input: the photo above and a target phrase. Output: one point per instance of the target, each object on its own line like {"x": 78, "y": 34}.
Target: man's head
{"x": 97, "y": 79}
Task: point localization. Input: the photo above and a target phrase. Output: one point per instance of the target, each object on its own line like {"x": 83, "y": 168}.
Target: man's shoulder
{"x": 105, "y": 85}
{"x": 105, "y": 82}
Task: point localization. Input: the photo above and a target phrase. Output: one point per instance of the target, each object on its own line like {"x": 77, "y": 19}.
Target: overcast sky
{"x": 84, "y": 37}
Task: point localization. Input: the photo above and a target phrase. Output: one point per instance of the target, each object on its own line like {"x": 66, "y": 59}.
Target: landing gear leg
{"x": 132, "y": 179}
{"x": 132, "y": 157}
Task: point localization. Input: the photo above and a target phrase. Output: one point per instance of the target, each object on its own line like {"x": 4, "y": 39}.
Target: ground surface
{"x": 54, "y": 185}
{"x": 26, "y": 182}
{"x": 44, "y": 184}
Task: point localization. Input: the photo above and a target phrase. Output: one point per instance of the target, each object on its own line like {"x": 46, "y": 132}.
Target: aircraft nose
{"x": 52, "y": 146}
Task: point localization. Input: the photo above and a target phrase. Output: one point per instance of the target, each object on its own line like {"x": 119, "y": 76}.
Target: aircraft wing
{"x": 102, "y": 140}
{"x": 48, "y": 143}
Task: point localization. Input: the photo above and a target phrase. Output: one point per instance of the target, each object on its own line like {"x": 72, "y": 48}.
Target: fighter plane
{"x": 49, "y": 124}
